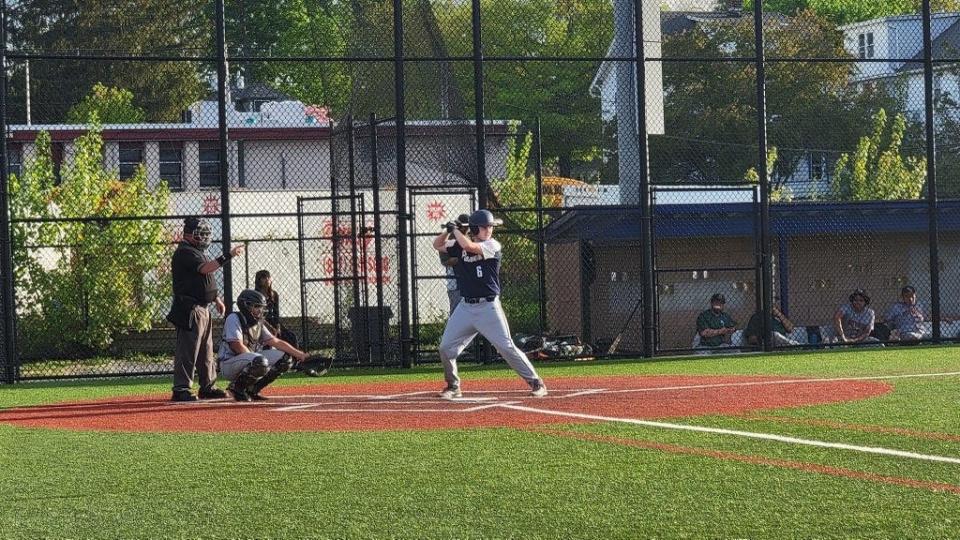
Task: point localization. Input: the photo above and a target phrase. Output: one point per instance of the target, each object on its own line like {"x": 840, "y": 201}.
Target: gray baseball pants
{"x": 194, "y": 352}
{"x": 231, "y": 367}
{"x": 488, "y": 320}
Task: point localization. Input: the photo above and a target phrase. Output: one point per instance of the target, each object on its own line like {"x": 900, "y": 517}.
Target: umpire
{"x": 194, "y": 288}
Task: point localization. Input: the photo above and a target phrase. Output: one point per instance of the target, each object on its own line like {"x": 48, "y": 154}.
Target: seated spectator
{"x": 854, "y": 321}
{"x": 782, "y": 327}
{"x": 714, "y": 325}
{"x": 905, "y": 316}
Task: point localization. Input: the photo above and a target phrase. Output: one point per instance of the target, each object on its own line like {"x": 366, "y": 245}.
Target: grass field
{"x": 593, "y": 480}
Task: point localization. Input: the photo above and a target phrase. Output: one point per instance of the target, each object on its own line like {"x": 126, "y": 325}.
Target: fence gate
{"x": 706, "y": 240}
{"x": 431, "y": 208}
{"x": 341, "y": 281}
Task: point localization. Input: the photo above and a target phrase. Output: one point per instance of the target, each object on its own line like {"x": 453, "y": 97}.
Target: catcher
{"x": 242, "y": 358}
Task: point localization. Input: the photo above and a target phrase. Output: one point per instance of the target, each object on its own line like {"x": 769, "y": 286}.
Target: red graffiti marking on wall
{"x": 211, "y": 205}
{"x": 436, "y": 211}
{"x": 346, "y": 242}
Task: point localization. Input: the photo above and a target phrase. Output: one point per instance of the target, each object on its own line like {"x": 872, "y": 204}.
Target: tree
{"x": 850, "y": 11}
{"x": 300, "y": 28}
{"x": 710, "y": 107}
{"x": 878, "y": 170}
{"x": 108, "y": 27}
{"x": 101, "y": 282}
{"x": 557, "y": 92}
{"x": 109, "y": 105}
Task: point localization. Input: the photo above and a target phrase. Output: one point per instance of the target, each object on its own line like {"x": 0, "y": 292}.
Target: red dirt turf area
{"x": 416, "y": 405}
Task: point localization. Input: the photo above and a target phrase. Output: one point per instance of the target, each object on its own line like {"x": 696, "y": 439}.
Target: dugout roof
{"x": 616, "y": 223}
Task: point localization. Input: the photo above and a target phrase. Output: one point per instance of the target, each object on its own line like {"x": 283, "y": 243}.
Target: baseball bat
{"x": 616, "y": 340}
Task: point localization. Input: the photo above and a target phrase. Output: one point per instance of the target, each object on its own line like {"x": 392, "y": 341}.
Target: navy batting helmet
{"x": 484, "y": 218}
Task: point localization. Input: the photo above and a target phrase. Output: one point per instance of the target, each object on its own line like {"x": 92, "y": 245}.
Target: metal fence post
{"x": 223, "y": 82}
{"x": 766, "y": 268}
{"x": 377, "y": 234}
{"x": 403, "y": 220}
{"x": 647, "y": 274}
{"x": 9, "y": 349}
{"x": 541, "y": 255}
{"x": 479, "y": 119}
{"x": 932, "y": 203}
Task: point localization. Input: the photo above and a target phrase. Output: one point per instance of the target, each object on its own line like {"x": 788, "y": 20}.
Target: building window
{"x": 171, "y": 164}
{"x": 15, "y": 159}
{"x": 131, "y": 156}
{"x": 865, "y": 45}
{"x": 209, "y": 163}
{"x": 818, "y": 166}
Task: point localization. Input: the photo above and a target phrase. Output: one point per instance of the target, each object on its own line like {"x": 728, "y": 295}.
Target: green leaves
{"x": 878, "y": 170}
{"x": 108, "y": 105}
{"x": 82, "y": 275}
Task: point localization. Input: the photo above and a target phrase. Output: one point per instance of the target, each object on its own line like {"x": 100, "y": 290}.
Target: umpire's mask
{"x": 199, "y": 230}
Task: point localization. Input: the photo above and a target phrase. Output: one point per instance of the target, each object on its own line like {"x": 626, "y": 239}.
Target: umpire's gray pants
{"x": 194, "y": 352}
{"x": 487, "y": 319}
{"x": 231, "y": 367}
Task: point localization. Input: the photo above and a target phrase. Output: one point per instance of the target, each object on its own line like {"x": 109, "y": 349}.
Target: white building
{"x": 280, "y": 149}
{"x": 895, "y": 47}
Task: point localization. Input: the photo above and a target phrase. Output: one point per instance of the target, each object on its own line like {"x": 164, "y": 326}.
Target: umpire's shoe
{"x": 182, "y": 395}
{"x": 211, "y": 393}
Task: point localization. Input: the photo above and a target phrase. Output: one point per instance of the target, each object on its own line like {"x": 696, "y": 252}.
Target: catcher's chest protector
{"x": 251, "y": 337}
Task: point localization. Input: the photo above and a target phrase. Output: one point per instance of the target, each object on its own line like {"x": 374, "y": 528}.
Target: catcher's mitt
{"x": 315, "y": 365}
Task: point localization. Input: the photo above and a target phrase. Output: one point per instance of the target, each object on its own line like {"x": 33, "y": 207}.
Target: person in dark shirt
{"x": 782, "y": 327}
{"x": 479, "y": 311}
{"x": 194, "y": 288}
{"x": 263, "y": 284}
{"x": 714, "y": 325}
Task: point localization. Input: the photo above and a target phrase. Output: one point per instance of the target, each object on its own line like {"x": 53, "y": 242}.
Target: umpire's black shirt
{"x": 187, "y": 279}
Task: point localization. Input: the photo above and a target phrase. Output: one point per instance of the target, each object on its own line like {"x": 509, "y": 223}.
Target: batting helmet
{"x": 483, "y": 218}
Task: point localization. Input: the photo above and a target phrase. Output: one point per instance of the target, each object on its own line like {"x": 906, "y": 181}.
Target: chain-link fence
{"x": 672, "y": 176}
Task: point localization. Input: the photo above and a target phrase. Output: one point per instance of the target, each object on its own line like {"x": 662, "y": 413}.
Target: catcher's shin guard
{"x": 256, "y": 369}
{"x": 282, "y": 366}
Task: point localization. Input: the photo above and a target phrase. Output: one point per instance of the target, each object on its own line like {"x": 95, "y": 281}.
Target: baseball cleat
{"x": 238, "y": 394}
{"x": 451, "y": 392}
{"x": 211, "y": 393}
{"x": 183, "y": 395}
{"x": 538, "y": 389}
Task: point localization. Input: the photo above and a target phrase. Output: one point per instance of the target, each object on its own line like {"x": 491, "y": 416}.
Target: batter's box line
{"x": 555, "y": 394}
{"x": 321, "y": 408}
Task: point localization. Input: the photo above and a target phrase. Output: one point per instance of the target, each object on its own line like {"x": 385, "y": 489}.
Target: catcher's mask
{"x": 199, "y": 230}
{"x": 251, "y": 304}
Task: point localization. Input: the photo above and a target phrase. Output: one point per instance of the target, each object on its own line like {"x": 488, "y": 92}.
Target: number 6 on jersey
{"x": 479, "y": 272}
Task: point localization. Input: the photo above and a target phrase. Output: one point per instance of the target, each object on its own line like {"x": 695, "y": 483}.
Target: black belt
{"x": 480, "y": 299}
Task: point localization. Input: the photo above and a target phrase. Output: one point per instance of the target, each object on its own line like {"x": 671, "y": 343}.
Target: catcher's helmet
{"x": 200, "y": 230}
{"x": 249, "y": 299}
{"x": 484, "y": 218}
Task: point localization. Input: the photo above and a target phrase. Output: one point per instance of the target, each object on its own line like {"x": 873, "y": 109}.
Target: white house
{"x": 895, "y": 46}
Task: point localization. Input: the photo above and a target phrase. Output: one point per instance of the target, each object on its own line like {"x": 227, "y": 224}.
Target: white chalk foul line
{"x": 778, "y": 382}
{"x": 738, "y": 433}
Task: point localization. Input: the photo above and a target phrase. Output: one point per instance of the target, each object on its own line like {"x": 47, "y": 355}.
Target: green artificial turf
{"x": 500, "y": 482}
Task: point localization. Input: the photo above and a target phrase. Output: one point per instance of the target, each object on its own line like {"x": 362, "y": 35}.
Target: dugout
{"x": 821, "y": 252}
